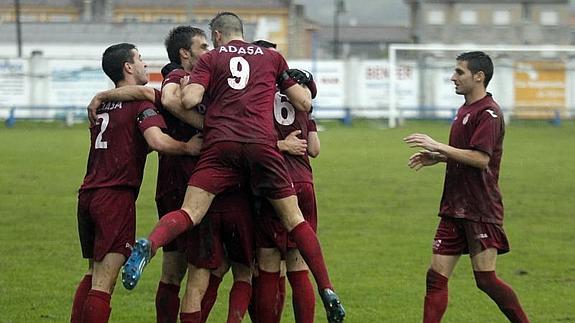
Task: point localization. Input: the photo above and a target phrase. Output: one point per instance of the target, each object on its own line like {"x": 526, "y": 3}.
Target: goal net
{"x": 529, "y": 82}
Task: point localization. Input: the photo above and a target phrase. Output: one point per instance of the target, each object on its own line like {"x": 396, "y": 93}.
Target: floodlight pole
{"x": 337, "y": 11}
{"x": 18, "y": 27}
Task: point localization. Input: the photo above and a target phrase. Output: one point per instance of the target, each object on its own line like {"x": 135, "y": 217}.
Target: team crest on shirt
{"x": 465, "y": 119}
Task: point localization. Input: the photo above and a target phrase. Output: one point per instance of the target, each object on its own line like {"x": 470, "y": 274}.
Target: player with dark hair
{"x": 471, "y": 208}
{"x": 120, "y": 140}
{"x": 240, "y": 141}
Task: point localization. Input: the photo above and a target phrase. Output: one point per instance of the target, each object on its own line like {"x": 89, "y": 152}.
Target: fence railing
{"x": 75, "y": 114}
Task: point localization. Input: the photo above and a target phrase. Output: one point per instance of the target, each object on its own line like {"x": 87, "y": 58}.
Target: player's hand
{"x": 424, "y": 158}
{"x": 293, "y": 145}
{"x": 300, "y": 76}
{"x": 422, "y": 141}
{"x": 194, "y": 145}
{"x": 184, "y": 81}
{"x": 93, "y": 110}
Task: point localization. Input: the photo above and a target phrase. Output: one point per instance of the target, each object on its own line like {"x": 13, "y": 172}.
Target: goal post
{"x": 531, "y": 81}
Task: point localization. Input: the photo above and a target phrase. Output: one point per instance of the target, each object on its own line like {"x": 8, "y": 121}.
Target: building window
{"x": 436, "y": 17}
{"x": 165, "y": 19}
{"x": 549, "y": 18}
{"x": 468, "y": 17}
{"x": 29, "y": 18}
{"x": 501, "y": 17}
{"x": 60, "y": 18}
{"x": 131, "y": 18}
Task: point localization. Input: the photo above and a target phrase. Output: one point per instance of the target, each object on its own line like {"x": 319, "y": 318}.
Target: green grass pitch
{"x": 377, "y": 220}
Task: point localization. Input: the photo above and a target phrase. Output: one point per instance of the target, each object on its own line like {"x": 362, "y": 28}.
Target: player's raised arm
{"x": 302, "y": 94}
{"x": 124, "y": 93}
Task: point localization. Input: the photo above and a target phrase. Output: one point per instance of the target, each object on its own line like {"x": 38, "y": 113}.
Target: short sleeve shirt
{"x": 118, "y": 148}
{"x": 469, "y": 192}
{"x": 240, "y": 79}
{"x": 174, "y": 171}
{"x": 287, "y": 120}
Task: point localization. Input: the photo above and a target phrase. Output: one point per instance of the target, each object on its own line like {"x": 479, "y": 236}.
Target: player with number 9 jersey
{"x": 240, "y": 78}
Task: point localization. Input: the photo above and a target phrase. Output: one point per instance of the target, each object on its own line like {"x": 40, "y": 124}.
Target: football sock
{"x": 303, "y": 297}
{"x": 267, "y": 301}
{"x": 168, "y": 228}
{"x": 79, "y": 298}
{"x": 167, "y": 303}
{"x": 502, "y": 294}
{"x": 240, "y": 296}
{"x": 210, "y": 296}
{"x": 435, "y": 297}
{"x": 281, "y": 294}
{"x": 195, "y": 317}
{"x": 308, "y": 245}
{"x": 96, "y": 307}
{"x": 252, "y": 306}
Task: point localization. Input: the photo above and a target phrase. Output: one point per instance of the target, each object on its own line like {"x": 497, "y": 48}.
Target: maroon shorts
{"x": 224, "y": 164}
{"x": 461, "y": 236}
{"x": 169, "y": 202}
{"x": 225, "y": 232}
{"x": 270, "y": 232}
{"x": 106, "y": 221}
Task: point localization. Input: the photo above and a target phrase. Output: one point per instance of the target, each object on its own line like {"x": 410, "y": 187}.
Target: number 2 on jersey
{"x": 281, "y": 104}
{"x": 99, "y": 144}
{"x": 241, "y": 75}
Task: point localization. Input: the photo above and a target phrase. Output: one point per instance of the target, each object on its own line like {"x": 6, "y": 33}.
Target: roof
{"x": 82, "y": 33}
{"x": 489, "y": 1}
{"x": 43, "y": 3}
{"x": 242, "y": 4}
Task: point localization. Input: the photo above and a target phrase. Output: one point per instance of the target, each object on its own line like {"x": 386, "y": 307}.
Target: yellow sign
{"x": 539, "y": 89}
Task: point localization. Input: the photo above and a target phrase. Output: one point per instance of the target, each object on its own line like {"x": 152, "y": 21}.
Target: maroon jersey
{"x": 240, "y": 79}
{"x": 174, "y": 171}
{"x": 287, "y": 120}
{"x": 118, "y": 148}
{"x": 469, "y": 192}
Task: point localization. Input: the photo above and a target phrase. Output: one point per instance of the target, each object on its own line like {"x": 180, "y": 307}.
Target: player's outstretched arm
{"x": 172, "y": 101}
{"x": 192, "y": 95}
{"x": 292, "y": 144}
{"x": 474, "y": 158}
{"x": 124, "y": 93}
{"x": 163, "y": 143}
{"x": 425, "y": 158}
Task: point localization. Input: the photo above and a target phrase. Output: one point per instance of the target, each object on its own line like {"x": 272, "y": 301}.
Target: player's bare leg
{"x": 104, "y": 274}
{"x": 196, "y": 286}
{"x": 484, "y": 264}
{"x": 309, "y": 247}
{"x": 436, "y": 295}
{"x": 174, "y": 268}
{"x": 196, "y": 203}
